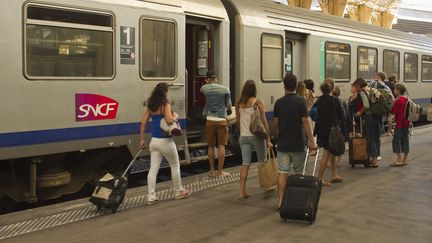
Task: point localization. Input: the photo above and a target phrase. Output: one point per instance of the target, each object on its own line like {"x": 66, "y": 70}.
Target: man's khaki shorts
{"x": 217, "y": 133}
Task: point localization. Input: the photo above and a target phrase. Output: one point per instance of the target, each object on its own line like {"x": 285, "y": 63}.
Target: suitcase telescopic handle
{"x": 130, "y": 164}
{"x": 306, "y": 160}
{"x": 361, "y": 127}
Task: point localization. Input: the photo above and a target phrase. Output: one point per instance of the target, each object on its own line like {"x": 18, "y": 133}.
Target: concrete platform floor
{"x": 385, "y": 204}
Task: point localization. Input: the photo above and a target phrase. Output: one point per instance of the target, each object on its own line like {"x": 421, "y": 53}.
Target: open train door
{"x": 206, "y": 47}
{"x": 296, "y": 55}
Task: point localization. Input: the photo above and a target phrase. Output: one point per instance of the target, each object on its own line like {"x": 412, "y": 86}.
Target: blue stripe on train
{"x": 67, "y": 134}
{"x": 77, "y": 133}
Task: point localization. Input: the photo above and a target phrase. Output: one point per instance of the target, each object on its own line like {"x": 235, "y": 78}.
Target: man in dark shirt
{"x": 291, "y": 117}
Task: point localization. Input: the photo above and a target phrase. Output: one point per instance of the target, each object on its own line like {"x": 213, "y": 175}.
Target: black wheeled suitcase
{"x": 110, "y": 190}
{"x": 301, "y": 197}
{"x": 358, "y": 148}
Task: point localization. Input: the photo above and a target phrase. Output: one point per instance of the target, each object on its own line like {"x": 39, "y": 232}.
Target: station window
{"x": 288, "y": 57}
{"x": 411, "y": 67}
{"x": 158, "y": 49}
{"x": 367, "y": 60}
{"x": 391, "y": 63}
{"x": 272, "y": 58}
{"x": 68, "y": 43}
{"x": 338, "y": 61}
{"x": 426, "y": 68}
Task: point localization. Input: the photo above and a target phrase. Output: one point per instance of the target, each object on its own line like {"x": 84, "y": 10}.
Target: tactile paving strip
{"x": 90, "y": 211}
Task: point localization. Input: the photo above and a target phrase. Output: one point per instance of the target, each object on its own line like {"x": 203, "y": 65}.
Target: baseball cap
{"x": 210, "y": 74}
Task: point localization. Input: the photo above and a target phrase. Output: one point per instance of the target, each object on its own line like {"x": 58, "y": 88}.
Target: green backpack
{"x": 381, "y": 101}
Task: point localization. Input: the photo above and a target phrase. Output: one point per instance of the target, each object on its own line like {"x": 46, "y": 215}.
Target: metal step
{"x": 197, "y": 145}
{"x": 193, "y": 134}
{"x": 199, "y": 158}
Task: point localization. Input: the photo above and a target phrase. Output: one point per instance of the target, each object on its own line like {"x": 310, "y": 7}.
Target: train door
{"x": 295, "y": 55}
{"x": 199, "y": 59}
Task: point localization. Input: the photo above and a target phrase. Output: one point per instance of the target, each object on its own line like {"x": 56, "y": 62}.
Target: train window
{"x": 158, "y": 49}
{"x": 367, "y": 61}
{"x": 391, "y": 63}
{"x": 288, "y": 57}
{"x": 426, "y": 68}
{"x": 272, "y": 57}
{"x": 68, "y": 43}
{"x": 338, "y": 61}
{"x": 411, "y": 67}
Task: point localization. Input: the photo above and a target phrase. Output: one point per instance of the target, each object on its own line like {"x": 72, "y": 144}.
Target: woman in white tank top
{"x": 248, "y": 141}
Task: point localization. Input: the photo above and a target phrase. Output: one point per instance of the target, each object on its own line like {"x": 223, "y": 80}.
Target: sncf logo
{"x": 90, "y": 107}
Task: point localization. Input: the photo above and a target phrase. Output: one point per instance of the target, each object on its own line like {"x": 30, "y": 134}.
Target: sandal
{"x": 336, "y": 180}
{"x": 373, "y": 165}
{"x": 326, "y": 183}
{"x": 224, "y": 174}
{"x": 396, "y": 164}
{"x": 150, "y": 202}
{"x": 243, "y": 197}
{"x": 183, "y": 194}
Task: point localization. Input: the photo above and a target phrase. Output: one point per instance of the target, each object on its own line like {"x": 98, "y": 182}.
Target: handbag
{"x": 256, "y": 126}
{"x": 170, "y": 129}
{"x": 336, "y": 143}
{"x": 173, "y": 129}
{"x": 267, "y": 171}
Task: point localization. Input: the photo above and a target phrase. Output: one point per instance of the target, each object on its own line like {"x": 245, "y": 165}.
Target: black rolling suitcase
{"x": 358, "y": 148}
{"x": 110, "y": 190}
{"x": 301, "y": 196}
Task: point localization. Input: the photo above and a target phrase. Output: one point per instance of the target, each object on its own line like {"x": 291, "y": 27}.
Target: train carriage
{"x": 75, "y": 75}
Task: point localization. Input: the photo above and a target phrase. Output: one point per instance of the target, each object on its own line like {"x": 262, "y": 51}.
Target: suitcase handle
{"x": 306, "y": 160}
{"x": 130, "y": 164}
{"x": 361, "y": 127}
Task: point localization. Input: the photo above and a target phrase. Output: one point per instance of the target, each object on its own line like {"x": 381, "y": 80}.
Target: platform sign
{"x": 127, "y": 45}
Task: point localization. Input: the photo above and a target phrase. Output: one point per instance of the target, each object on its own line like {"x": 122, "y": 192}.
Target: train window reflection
{"x": 391, "y": 63}
{"x": 338, "y": 61}
{"x": 367, "y": 61}
{"x": 411, "y": 67}
{"x": 426, "y": 68}
{"x": 158, "y": 49}
{"x": 272, "y": 58}
{"x": 65, "y": 50}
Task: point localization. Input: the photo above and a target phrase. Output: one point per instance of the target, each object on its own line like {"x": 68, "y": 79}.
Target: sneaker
{"x": 183, "y": 194}
{"x": 150, "y": 202}
{"x": 379, "y": 158}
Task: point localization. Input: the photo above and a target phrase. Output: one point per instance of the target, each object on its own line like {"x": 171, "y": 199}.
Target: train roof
{"x": 212, "y": 9}
{"x": 271, "y": 15}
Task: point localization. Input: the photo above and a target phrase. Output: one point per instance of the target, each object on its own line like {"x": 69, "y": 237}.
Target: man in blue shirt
{"x": 218, "y": 101}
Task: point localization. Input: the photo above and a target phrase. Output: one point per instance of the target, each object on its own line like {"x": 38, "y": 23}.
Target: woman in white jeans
{"x": 248, "y": 141}
{"x": 161, "y": 145}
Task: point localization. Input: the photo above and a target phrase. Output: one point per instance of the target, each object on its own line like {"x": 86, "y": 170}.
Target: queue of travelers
{"x": 292, "y": 118}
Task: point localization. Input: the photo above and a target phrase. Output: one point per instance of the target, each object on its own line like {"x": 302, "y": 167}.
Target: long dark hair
{"x": 248, "y": 91}
{"x": 158, "y": 97}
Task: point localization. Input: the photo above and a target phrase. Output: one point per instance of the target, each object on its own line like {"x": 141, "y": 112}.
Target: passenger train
{"x": 75, "y": 75}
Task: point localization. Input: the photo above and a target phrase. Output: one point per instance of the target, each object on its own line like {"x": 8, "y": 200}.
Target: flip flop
{"x": 405, "y": 164}
{"x": 326, "y": 183}
{"x": 396, "y": 165}
{"x": 211, "y": 176}
{"x": 224, "y": 174}
{"x": 373, "y": 166}
{"x": 243, "y": 197}
{"x": 336, "y": 180}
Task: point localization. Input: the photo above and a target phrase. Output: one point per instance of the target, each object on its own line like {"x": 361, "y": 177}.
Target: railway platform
{"x": 384, "y": 204}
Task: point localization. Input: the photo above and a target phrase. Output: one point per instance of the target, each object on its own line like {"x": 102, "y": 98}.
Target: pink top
{"x": 399, "y": 111}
